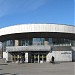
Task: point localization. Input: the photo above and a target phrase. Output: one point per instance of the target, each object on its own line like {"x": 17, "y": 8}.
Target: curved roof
{"x": 25, "y": 28}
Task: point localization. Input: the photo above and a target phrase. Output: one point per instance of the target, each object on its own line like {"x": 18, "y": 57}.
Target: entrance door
{"x": 14, "y": 58}
{"x": 34, "y": 58}
{"x": 23, "y": 57}
{"x": 38, "y": 57}
{"x": 44, "y": 57}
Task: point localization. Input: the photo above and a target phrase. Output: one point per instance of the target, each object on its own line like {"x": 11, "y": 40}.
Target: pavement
{"x": 66, "y": 68}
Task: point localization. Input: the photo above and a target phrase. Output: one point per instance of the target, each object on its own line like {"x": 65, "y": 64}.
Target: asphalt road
{"x": 66, "y": 68}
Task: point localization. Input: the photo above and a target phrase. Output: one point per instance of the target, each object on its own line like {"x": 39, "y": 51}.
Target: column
{"x": 42, "y": 58}
{"x": 12, "y": 58}
{"x": 34, "y": 58}
{"x": 46, "y": 42}
{"x": 18, "y": 58}
{"x": 16, "y": 42}
{"x": 6, "y": 56}
{"x": 38, "y": 58}
{"x": 26, "y": 57}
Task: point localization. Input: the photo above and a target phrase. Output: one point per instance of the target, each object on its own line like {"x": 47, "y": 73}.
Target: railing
{"x": 28, "y": 48}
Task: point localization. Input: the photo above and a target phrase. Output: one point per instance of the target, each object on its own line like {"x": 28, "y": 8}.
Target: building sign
{"x": 67, "y": 52}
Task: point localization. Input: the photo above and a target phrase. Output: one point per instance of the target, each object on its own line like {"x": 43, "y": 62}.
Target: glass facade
{"x": 57, "y": 41}
{"x": 73, "y": 42}
{"x": 53, "y": 41}
{"x": 0, "y": 45}
{"x": 0, "y": 49}
{"x": 41, "y": 41}
{"x": 25, "y": 42}
{"x": 38, "y": 41}
{"x": 10, "y": 43}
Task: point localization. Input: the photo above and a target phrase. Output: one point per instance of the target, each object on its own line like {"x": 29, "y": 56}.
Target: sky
{"x": 14, "y": 12}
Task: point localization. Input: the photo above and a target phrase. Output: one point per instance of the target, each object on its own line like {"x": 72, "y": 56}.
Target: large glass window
{"x": 0, "y": 45}
{"x": 58, "y": 41}
{"x": 9, "y": 43}
{"x": 50, "y": 41}
{"x": 41, "y": 41}
{"x": 73, "y": 42}
{"x": 25, "y": 42}
{"x": 38, "y": 41}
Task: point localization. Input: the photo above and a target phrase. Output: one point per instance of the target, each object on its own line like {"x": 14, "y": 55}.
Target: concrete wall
{"x": 5, "y": 55}
{"x": 37, "y": 28}
{"x": 60, "y": 56}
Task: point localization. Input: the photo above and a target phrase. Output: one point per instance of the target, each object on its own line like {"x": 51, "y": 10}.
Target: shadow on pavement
{"x": 55, "y": 62}
{"x": 3, "y": 64}
{"x": 9, "y": 74}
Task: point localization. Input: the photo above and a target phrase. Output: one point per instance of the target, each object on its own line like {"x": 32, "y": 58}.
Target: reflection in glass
{"x": 40, "y": 41}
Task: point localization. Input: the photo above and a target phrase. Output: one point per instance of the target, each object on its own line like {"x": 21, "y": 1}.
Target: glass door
{"x": 44, "y": 57}
{"x": 40, "y": 58}
{"x": 35, "y": 58}
{"x": 32, "y": 58}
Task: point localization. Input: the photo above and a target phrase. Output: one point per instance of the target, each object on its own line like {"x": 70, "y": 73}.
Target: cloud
{"x": 19, "y": 6}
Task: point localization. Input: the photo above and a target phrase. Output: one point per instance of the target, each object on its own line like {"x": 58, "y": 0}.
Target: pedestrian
{"x": 52, "y": 59}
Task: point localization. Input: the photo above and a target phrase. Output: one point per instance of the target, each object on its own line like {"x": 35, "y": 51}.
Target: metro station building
{"x": 37, "y": 43}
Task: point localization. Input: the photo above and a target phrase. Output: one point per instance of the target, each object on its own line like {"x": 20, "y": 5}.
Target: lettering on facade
{"x": 66, "y": 53}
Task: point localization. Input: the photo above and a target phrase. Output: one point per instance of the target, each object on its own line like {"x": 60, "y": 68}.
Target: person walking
{"x": 52, "y": 59}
